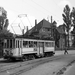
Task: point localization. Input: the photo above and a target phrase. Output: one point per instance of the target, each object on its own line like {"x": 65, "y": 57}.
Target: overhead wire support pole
{"x": 13, "y": 29}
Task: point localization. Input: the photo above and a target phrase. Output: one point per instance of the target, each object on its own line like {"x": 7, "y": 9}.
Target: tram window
{"x": 14, "y": 43}
{"x": 41, "y": 44}
{"x": 48, "y": 44}
{"x": 25, "y": 44}
{"x": 7, "y": 43}
{"x": 31, "y": 43}
{"x": 10, "y": 43}
{"x": 18, "y": 43}
{"x": 35, "y": 44}
{"x": 52, "y": 44}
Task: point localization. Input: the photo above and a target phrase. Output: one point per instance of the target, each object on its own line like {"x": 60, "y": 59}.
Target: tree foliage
{"x": 73, "y": 24}
{"x": 3, "y": 19}
{"x": 73, "y": 16}
{"x": 4, "y": 22}
{"x": 67, "y": 20}
{"x": 67, "y": 17}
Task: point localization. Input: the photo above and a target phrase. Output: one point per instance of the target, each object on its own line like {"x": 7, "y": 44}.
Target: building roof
{"x": 37, "y": 27}
{"x": 61, "y": 29}
{"x": 43, "y": 23}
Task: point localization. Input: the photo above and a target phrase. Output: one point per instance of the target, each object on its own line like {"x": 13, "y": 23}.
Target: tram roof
{"x": 30, "y": 39}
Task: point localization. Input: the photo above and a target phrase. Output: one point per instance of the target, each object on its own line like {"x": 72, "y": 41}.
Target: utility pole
{"x": 51, "y": 26}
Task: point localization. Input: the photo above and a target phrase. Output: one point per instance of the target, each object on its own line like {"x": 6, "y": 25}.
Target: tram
{"x": 23, "y": 48}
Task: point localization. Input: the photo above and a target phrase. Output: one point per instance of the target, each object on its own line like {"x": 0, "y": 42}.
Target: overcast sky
{"x": 35, "y": 9}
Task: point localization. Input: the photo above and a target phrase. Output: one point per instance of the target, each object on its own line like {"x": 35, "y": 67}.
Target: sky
{"x": 29, "y": 10}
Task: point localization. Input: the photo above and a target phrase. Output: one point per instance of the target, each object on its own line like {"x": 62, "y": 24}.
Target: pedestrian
{"x": 66, "y": 52}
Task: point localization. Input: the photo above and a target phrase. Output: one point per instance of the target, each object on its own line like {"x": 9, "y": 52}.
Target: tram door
{"x": 40, "y": 48}
{"x": 19, "y": 47}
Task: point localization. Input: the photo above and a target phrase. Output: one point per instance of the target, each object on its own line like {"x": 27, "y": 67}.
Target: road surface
{"x": 56, "y": 65}
{"x": 70, "y": 70}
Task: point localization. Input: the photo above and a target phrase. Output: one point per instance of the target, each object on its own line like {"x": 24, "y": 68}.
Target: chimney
{"x": 51, "y": 19}
{"x": 23, "y": 31}
{"x": 35, "y": 22}
{"x": 26, "y": 28}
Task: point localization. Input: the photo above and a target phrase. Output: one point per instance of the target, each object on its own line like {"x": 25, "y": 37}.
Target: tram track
{"x": 27, "y": 65}
{"x": 7, "y": 63}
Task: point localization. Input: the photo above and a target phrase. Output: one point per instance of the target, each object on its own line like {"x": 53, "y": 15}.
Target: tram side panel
{"x": 33, "y": 48}
{"x": 28, "y": 51}
{"x": 49, "y": 48}
{"x": 12, "y": 48}
{"x": 9, "y": 46}
{"x": 29, "y": 48}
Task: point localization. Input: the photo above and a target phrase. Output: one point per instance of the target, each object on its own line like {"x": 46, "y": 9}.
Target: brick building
{"x": 62, "y": 36}
{"x": 41, "y": 30}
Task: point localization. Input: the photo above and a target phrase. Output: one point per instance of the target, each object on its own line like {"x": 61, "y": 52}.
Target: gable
{"x": 46, "y": 24}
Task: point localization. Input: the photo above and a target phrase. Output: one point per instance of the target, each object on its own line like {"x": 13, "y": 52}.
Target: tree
{"x": 73, "y": 16}
{"x": 4, "y": 22}
{"x": 3, "y": 19}
{"x": 67, "y": 20}
{"x": 73, "y": 24}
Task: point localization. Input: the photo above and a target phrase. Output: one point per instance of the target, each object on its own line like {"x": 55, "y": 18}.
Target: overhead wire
{"x": 24, "y": 15}
{"x": 13, "y": 29}
{"x": 29, "y": 21}
{"x": 12, "y": 26}
{"x": 35, "y": 8}
{"x": 15, "y": 26}
{"x": 43, "y": 8}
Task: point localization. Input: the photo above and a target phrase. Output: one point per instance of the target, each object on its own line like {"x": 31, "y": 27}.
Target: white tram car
{"x": 21, "y": 48}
